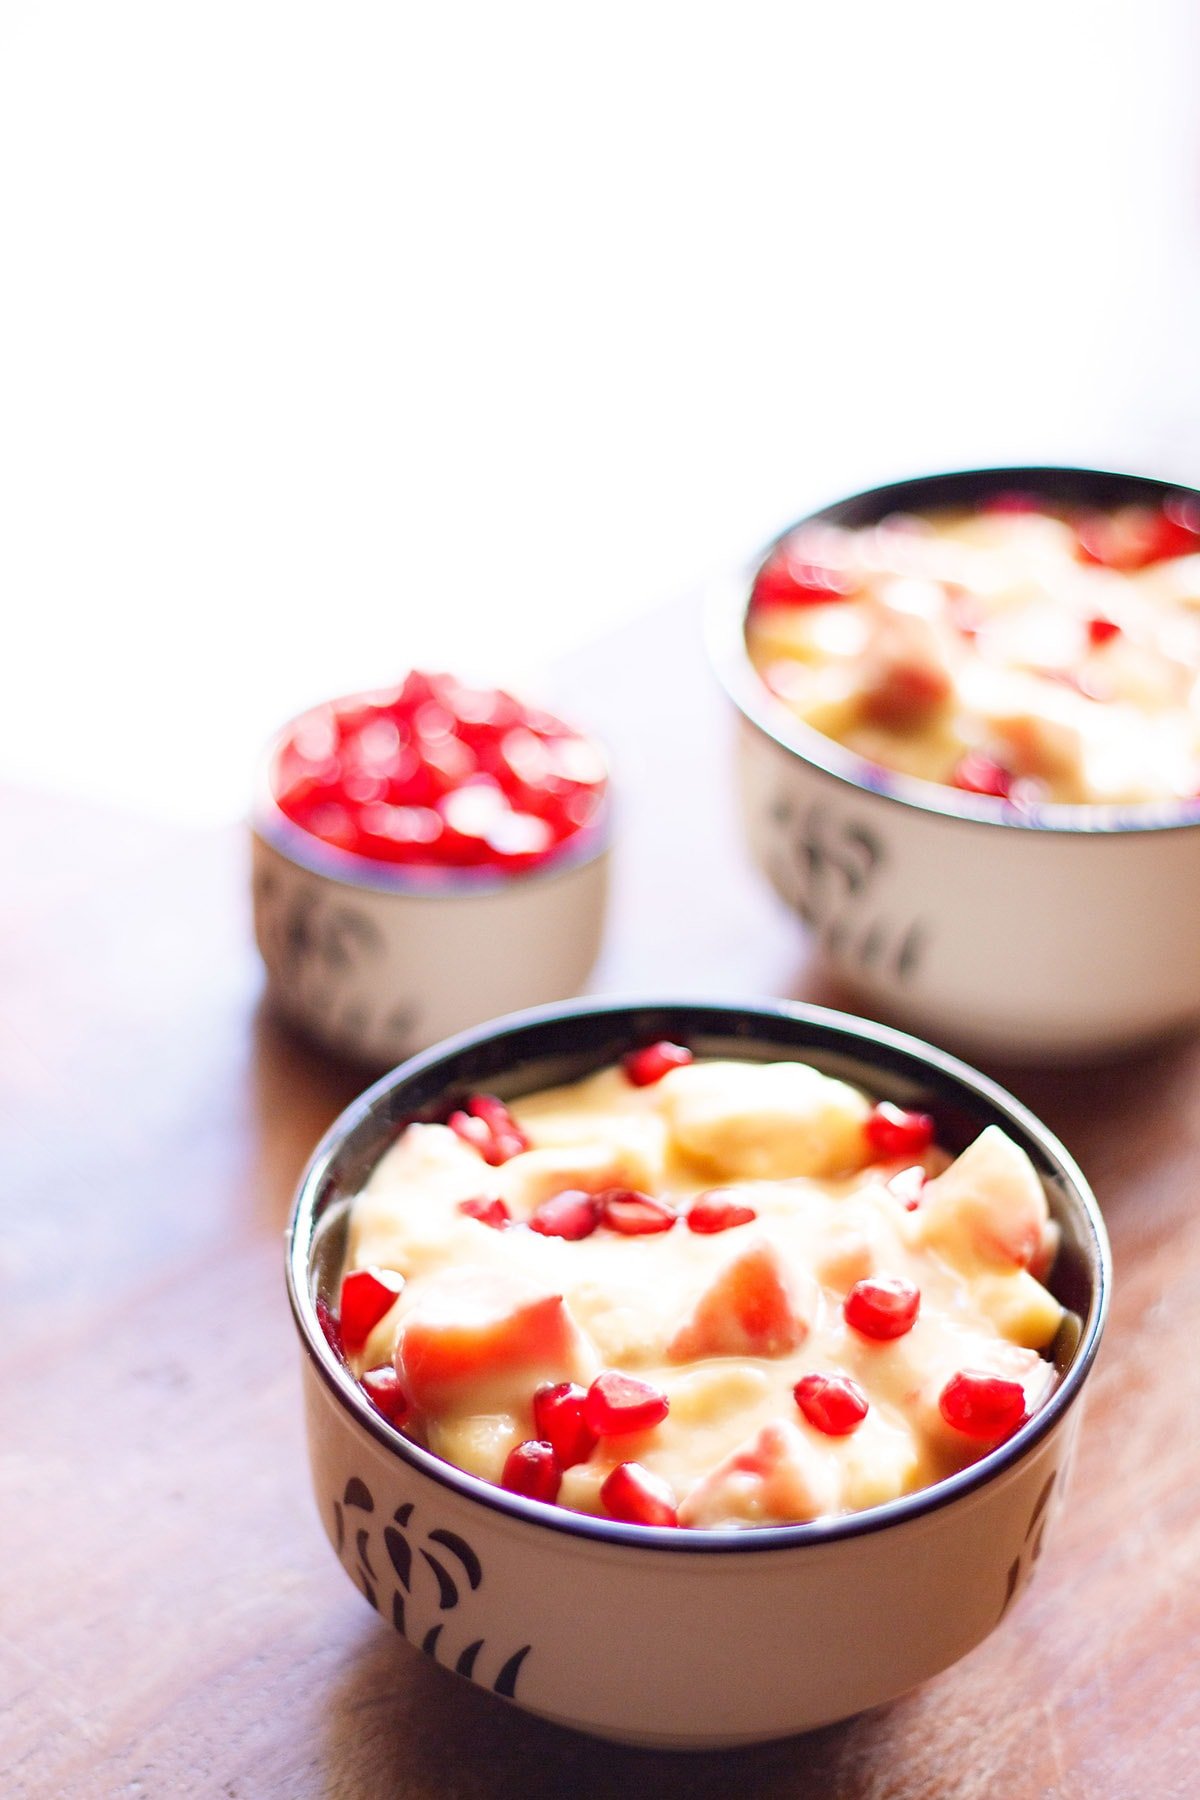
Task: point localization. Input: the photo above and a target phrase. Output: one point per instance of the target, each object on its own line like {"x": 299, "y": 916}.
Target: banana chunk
{"x": 764, "y": 1121}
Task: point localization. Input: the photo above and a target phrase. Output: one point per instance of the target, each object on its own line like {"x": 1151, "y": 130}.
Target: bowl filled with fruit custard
{"x": 970, "y": 749}
{"x": 688, "y": 1326}
{"x": 426, "y": 856}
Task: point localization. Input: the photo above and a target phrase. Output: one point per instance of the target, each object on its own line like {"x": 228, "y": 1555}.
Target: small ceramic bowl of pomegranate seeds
{"x": 692, "y": 1374}
{"x": 426, "y": 857}
{"x": 970, "y": 750}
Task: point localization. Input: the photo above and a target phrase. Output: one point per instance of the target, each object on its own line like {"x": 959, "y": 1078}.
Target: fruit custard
{"x": 1017, "y": 650}
{"x": 699, "y": 1293}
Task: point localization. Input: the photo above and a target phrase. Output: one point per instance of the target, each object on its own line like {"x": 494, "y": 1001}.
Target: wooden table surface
{"x": 172, "y": 1621}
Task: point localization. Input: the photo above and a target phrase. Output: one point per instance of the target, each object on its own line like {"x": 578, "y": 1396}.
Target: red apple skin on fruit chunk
{"x": 481, "y": 1340}
{"x": 753, "y": 1307}
{"x": 777, "y": 1477}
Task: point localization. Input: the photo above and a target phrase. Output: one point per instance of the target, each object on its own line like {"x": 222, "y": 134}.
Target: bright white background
{"x": 336, "y": 337}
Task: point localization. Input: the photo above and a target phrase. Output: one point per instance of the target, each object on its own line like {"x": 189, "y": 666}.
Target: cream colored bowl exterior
{"x": 376, "y": 973}
{"x": 1006, "y": 940}
{"x": 677, "y": 1649}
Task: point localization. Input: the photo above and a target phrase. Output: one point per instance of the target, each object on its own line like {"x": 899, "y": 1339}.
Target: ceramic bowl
{"x": 682, "y": 1639}
{"x": 1062, "y": 933}
{"x": 375, "y": 961}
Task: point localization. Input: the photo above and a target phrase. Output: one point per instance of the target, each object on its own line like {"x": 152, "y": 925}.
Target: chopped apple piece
{"x": 779, "y": 1475}
{"x": 988, "y": 1207}
{"x": 765, "y": 1120}
{"x": 1019, "y": 1307}
{"x": 753, "y": 1307}
{"x": 481, "y": 1340}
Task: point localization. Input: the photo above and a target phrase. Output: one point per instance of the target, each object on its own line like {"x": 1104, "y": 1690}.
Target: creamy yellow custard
{"x": 838, "y": 1208}
{"x": 1007, "y": 651}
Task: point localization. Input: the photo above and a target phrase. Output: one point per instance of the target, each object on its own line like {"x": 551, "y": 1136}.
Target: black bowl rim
{"x": 831, "y": 1030}
{"x": 725, "y": 634}
{"x": 316, "y": 857}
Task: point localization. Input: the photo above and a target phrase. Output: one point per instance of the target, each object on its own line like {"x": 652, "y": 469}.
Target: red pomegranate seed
{"x": 558, "y": 1409}
{"x": 895, "y": 1131}
{"x": 978, "y": 774}
{"x": 532, "y": 1469}
{"x": 367, "y": 1294}
{"x": 487, "y": 1125}
{"x": 832, "y": 1403}
{"x": 571, "y": 1214}
{"x": 982, "y": 1406}
{"x": 634, "y": 1214}
{"x": 383, "y": 1389}
{"x": 644, "y": 1067}
{"x": 882, "y": 1306}
{"x": 472, "y": 1131}
{"x": 496, "y": 1117}
{"x": 489, "y": 1212}
{"x": 617, "y": 1403}
{"x": 786, "y": 579}
{"x": 1101, "y": 630}
{"x": 717, "y": 1211}
{"x": 906, "y": 1184}
{"x": 637, "y": 1497}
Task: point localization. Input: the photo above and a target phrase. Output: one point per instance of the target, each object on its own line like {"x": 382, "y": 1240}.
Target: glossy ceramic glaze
{"x": 1063, "y": 933}
{"x": 682, "y": 1639}
{"x": 376, "y": 963}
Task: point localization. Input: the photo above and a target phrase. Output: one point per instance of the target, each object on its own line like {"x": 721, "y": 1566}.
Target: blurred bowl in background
{"x": 423, "y": 859}
{"x": 1048, "y": 932}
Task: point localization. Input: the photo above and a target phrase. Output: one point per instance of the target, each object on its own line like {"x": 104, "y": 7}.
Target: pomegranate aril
{"x": 710, "y": 1213}
{"x": 386, "y": 1393}
{"x": 330, "y": 821}
{"x": 367, "y": 1294}
{"x": 634, "y": 1214}
{"x": 1101, "y": 630}
{"x": 558, "y": 1416}
{"x": 896, "y": 1131}
{"x": 617, "y": 1403}
{"x": 487, "y": 1125}
{"x": 985, "y": 1407}
{"x": 978, "y": 774}
{"x": 532, "y": 1469}
{"x": 882, "y": 1306}
{"x": 635, "y": 1496}
{"x": 787, "y": 578}
{"x": 831, "y": 1403}
{"x": 646, "y": 1066}
{"x": 496, "y": 1117}
{"x": 489, "y": 1212}
{"x": 399, "y": 833}
{"x": 419, "y": 688}
{"x": 472, "y": 1131}
{"x": 571, "y": 1214}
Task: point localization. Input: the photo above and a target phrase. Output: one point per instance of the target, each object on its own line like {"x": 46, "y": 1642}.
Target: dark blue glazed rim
{"x": 550, "y": 1044}
{"x": 1064, "y": 487}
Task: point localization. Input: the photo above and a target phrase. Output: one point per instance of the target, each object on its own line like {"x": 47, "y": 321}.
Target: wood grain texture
{"x": 171, "y": 1619}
